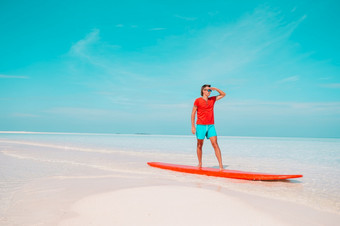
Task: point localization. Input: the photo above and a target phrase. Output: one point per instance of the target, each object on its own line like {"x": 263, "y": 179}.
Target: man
{"x": 204, "y": 106}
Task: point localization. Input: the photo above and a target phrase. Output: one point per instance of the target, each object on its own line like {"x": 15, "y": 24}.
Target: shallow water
{"x": 26, "y": 157}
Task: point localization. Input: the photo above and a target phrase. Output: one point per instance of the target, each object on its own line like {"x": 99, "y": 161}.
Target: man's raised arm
{"x": 222, "y": 94}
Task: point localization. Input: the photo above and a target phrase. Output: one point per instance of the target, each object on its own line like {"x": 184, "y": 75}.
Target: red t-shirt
{"x": 205, "y": 110}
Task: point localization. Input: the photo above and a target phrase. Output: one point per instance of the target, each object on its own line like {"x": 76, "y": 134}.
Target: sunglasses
{"x": 209, "y": 90}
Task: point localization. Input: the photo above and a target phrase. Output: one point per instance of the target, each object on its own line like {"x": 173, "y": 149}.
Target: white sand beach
{"x": 178, "y": 205}
{"x": 62, "y": 182}
{"x": 129, "y": 200}
{"x": 166, "y": 205}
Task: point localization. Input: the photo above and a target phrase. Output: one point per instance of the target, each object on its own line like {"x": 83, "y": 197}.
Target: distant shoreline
{"x": 150, "y": 134}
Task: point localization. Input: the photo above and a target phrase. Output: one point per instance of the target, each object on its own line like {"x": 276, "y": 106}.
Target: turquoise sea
{"x": 27, "y": 157}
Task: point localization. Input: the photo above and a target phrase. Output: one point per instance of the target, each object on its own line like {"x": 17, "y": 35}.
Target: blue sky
{"x": 137, "y": 66}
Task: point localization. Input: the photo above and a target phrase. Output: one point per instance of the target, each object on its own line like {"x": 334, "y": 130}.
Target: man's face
{"x": 206, "y": 91}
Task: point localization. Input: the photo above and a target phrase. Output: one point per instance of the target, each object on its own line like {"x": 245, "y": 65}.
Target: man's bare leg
{"x": 199, "y": 152}
{"x": 214, "y": 143}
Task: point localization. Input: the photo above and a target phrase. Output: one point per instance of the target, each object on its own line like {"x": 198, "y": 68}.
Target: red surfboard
{"x": 224, "y": 173}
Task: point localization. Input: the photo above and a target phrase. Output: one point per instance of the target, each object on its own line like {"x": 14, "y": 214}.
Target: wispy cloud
{"x": 326, "y": 78}
{"x": 242, "y": 55}
{"x": 24, "y": 115}
{"x": 13, "y": 76}
{"x": 126, "y": 26}
{"x": 157, "y": 29}
{"x": 79, "y": 112}
{"x": 331, "y": 85}
{"x": 213, "y": 13}
{"x": 80, "y": 48}
{"x": 289, "y": 79}
{"x": 186, "y": 18}
{"x": 237, "y": 48}
{"x": 265, "y": 108}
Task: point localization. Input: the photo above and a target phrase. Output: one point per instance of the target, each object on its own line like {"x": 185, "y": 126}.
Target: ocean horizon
{"x": 153, "y": 134}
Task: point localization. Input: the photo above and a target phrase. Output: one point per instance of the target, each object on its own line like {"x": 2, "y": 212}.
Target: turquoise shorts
{"x": 203, "y": 131}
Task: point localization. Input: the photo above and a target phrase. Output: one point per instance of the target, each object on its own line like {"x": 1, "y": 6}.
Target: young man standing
{"x": 204, "y": 106}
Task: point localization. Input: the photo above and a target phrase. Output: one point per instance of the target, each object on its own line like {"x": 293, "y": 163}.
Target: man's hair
{"x": 203, "y": 88}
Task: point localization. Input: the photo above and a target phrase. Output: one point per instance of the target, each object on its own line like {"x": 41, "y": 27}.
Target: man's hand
{"x": 193, "y": 130}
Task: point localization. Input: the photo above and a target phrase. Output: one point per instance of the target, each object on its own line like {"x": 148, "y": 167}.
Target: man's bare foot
{"x": 199, "y": 165}
{"x": 221, "y": 168}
